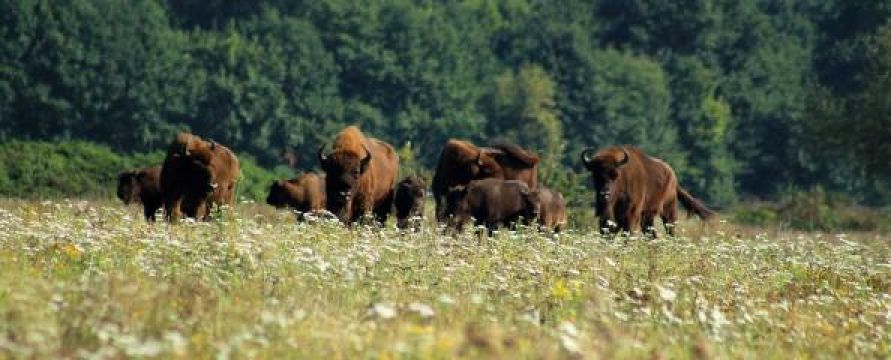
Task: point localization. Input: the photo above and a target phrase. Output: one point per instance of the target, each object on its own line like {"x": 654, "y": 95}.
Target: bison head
{"x": 128, "y": 187}
{"x": 604, "y": 167}
{"x": 531, "y": 205}
{"x": 278, "y": 194}
{"x": 343, "y": 171}
{"x": 483, "y": 167}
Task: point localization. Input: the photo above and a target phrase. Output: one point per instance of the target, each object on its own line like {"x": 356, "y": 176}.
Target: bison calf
{"x": 409, "y": 201}
{"x": 553, "y": 209}
{"x": 493, "y": 202}
{"x": 144, "y": 186}
{"x": 305, "y": 193}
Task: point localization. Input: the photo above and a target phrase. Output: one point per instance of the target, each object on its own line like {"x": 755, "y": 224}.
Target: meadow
{"x": 92, "y": 280}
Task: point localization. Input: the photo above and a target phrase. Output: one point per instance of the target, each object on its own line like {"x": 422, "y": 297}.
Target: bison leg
{"x": 647, "y": 225}
{"x": 172, "y": 209}
{"x": 627, "y": 224}
{"x": 670, "y": 217}
{"x": 149, "y": 209}
{"x": 439, "y": 212}
{"x": 382, "y": 210}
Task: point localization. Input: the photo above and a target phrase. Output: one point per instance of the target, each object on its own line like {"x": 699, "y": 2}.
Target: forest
{"x": 746, "y": 99}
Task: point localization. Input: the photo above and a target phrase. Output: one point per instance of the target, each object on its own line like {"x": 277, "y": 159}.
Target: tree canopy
{"x": 742, "y": 97}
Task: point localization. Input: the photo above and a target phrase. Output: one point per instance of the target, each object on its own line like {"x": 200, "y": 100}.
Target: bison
{"x": 305, "y": 193}
{"x": 360, "y": 175}
{"x": 460, "y": 162}
{"x": 553, "y": 209}
{"x": 633, "y": 188}
{"x": 493, "y": 202}
{"x": 196, "y": 175}
{"x": 409, "y": 201}
{"x": 144, "y": 186}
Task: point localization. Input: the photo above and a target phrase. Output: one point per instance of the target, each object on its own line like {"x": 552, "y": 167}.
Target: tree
{"x": 524, "y": 111}
{"x": 119, "y": 80}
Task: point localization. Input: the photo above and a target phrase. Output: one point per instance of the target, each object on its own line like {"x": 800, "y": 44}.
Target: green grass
{"x": 81, "y": 279}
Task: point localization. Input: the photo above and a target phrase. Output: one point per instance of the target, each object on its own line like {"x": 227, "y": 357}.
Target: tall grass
{"x": 92, "y": 280}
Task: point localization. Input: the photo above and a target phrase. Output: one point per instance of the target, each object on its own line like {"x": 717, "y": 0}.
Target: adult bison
{"x": 144, "y": 186}
{"x": 360, "y": 174}
{"x": 493, "y": 202}
{"x": 460, "y": 162}
{"x": 553, "y": 209}
{"x": 409, "y": 201}
{"x": 197, "y": 174}
{"x": 633, "y": 188}
{"x": 305, "y": 193}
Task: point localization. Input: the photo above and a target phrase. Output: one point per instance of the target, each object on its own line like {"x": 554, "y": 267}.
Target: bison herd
{"x": 491, "y": 186}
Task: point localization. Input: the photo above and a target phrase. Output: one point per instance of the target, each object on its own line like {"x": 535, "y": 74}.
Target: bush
{"x": 46, "y": 170}
{"x": 255, "y": 180}
{"x": 41, "y": 170}
{"x": 812, "y": 210}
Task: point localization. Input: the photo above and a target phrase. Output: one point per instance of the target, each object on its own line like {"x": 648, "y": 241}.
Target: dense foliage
{"x": 35, "y": 170}
{"x": 743, "y": 97}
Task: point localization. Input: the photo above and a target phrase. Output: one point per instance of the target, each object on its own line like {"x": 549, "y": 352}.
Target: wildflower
{"x": 423, "y": 310}
{"x": 381, "y": 311}
{"x": 666, "y": 294}
{"x": 570, "y": 344}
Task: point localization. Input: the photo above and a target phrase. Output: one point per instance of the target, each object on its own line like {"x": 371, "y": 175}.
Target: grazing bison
{"x": 553, "y": 209}
{"x": 360, "y": 174}
{"x": 196, "y": 175}
{"x": 305, "y": 193}
{"x": 633, "y": 188}
{"x": 409, "y": 201}
{"x": 142, "y": 185}
{"x": 493, "y": 202}
{"x": 460, "y": 162}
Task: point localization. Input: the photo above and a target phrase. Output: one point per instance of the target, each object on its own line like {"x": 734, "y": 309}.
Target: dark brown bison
{"x": 493, "y": 202}
{"x": 144, "y": 186}
{"x": 409, "y": 201}
{"x": 633, "y": 188}
{"x": 553, "y": 209}
{"x": 360, "y": 174}
{"x": 197, "y": 174}
{"x": 305, "y": 193}
{"x": 460, "y": 162}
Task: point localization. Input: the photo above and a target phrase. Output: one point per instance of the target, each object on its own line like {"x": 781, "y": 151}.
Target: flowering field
{"x": 93, "y": 280}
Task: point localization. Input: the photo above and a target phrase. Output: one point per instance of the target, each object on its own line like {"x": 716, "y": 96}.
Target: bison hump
{"x": 517, "y": 153}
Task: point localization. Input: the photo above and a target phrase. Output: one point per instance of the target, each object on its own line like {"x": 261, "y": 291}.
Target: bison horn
{"x": 214, "y": 185}
{"x": 322, "y": 158}
{"x": 479, "y": 158}
{"x": 586, "y": 156}
{"x": 366, "y": 160}
{"x": 625, "y": 159}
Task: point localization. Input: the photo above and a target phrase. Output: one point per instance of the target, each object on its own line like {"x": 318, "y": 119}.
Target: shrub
{"x": 40, "y": 170}
{"x": 47, "y": 170}
{"x": 814, "y": 209}
{"x": 255, "y": 180}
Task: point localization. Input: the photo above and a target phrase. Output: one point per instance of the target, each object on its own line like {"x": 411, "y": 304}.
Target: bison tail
{"x": 693, "y": 205}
